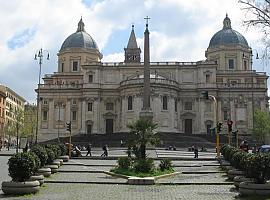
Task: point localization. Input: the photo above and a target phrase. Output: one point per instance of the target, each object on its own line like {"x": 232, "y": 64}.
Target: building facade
{"x": 12, "y": 103}
{"x": 102, "y": 98}
{"x": 2, "y": 115}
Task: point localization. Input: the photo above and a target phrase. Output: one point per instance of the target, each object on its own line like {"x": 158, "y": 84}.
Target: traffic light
{"x": 68, "y": 126}
{"x": 205, "y": 94}
{"x": 229, "y": 123}
{"x": 219, "y": 126}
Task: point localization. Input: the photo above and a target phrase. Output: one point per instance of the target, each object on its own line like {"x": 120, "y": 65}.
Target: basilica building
{"x": 102, "y": 98}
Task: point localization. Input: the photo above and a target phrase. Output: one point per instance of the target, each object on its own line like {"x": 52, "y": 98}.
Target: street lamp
{"x": 218, "y": 125}
{"x": 39, "y": 57}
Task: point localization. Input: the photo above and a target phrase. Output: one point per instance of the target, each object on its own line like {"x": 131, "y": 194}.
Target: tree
{"x": 261, "y": 125}
{"x": 29, "y": 121}
{"x": 258, "y": 16}
{"x": 143, "y": 134}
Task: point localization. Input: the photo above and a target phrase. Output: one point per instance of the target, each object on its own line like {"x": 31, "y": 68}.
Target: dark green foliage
{"x": 51, "y": 155}
{"x": 236, "y": 158}
{"x": 41, "y": 153}
{"x": 55, "y": 148}
{"x": 144, "y": 165}
{"x": 243, "y": 164}
{"x": 224, "y": 148}
{"x": 229, "y": 152}
{"x": 37, "y": 161}
{"x": 124, "y": 163}
{"x": 143, "y": 134}
{"x": 21, "y": 166}
{"x": 165, "y": 164}
{"x": 258, "y": 167}
{"x": 64, "y": 150}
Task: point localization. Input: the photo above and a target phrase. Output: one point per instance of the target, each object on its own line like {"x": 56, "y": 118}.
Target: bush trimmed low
{"x": 165, "y": 164}
{"x": 144, "y": 165}
{"x": 41, "y": 153}
{"x": 124, "y": 163}
{"x": 21, "y": 166}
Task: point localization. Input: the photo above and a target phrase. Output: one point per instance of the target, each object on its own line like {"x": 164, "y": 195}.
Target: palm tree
{"x": 143, "y": 134}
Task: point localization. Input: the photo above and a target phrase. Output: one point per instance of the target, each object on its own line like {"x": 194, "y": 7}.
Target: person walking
{"x": 196, "y": 152}
{"x": 89, "y": 148}
{"x": 105, "y": 151}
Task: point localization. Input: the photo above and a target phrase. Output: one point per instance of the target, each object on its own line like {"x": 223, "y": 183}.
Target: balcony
{"x": 62, "y": 86}
{"x": 153, "y": 81}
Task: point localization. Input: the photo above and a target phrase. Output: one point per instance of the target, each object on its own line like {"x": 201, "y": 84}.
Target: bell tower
{"x": 132, "y": 52}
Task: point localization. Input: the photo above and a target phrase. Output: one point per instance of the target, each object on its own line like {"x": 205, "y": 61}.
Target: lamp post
{"x": 218, "y": 125}
{"x": 39, "y": 57}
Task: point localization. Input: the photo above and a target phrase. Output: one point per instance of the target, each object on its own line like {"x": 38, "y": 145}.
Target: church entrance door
{"x": 89, "y": 129}
{"x": 109, "y": 126}
{"x": 188, "y": 126}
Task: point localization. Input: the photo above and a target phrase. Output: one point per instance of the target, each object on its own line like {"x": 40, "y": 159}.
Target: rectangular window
{"x": 175, "y": 105}
{"x": 90, "y": 106}
{"x": 74, "y": 115}
{"x": 231, "y": 63}
{"x": 109, "y": 106}
{"x": 74, "y": 102}
{"x": 45, "y": 102}
{"x": 90, "y": 78}
{"x": 130, "y": 102}
{"x": 245, "y": 65}
{"x": 62, "y": 67}
{"x": 45, "y": 115}
{"x": 165, "y": 103}
{"x": 75, "y": 66}
{"x": 207, "y": 78}
{"x": 225, "y": 115}
{"x": 188, "y": 105}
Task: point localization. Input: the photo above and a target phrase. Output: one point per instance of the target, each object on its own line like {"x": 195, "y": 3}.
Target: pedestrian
{"x": 121, "y": 143}
{"x": 25, "y": 149}
{"x": 196, "y": 152}
{"x": 88, "y": 148}
{"x": 244, "y": 146}
{"x": 104, "y": 151}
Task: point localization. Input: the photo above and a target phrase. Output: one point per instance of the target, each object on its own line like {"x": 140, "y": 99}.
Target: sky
{"x": 180, "y": 30}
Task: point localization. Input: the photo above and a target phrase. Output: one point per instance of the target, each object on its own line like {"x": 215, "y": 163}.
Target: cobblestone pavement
{"x": 130, "y": 192}
{"x": 113, "y": 188}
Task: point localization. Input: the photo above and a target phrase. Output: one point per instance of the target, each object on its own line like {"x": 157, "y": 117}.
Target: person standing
{"x": 196, "y": 152}
{"x": 89, "y": 148}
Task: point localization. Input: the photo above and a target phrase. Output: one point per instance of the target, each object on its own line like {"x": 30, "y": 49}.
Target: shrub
{"x": 229, "y": 153}
{"x": 41, "y": 153}
{"x": 258, "y": 167}
{"x": 37, "y": 161}
{"x": 21, "y": 166}
{"x": 236, "y": 158}
{"x": 165, "y": 164}
{"x": 124, "y": 163}
{"x": 51, "y": 155}
{"x": 55, "y": 148}
{"x": 224, "y": 148}
{"x": 64, "y": 150}
{"x": 144, "y": 165}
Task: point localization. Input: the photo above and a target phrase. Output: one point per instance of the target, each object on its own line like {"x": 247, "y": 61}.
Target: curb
{"x": 89, "y": 171}
{"x": 86, "y": 182}
{"x": 204, "y": 172}
{"x": 117, "y": 175}
{"x": 166, "y": 175}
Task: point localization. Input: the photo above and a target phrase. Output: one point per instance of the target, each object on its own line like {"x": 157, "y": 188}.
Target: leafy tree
{"x": 261, "y": 125}
{"x": 258, "y": 16}
{"x": 30, "y": 119}
{"x": 143, "y": 134}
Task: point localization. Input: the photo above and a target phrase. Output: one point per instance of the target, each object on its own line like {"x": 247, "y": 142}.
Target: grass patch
{"x": 132, "y": 172}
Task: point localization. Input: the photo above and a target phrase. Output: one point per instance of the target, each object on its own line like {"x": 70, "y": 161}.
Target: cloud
{"x": 179, "y": 31}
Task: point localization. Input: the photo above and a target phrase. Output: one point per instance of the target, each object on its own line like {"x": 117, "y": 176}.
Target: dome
{"x": 228, "y": 36}
{"x": 79, "y": 39}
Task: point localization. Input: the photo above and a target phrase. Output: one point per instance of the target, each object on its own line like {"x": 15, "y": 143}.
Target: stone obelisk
{"x": 146, "y": 110}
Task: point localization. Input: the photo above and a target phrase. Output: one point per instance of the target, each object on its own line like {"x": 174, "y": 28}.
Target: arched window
{"x": 165, "y": 103}
{"x": 130, "y": 102}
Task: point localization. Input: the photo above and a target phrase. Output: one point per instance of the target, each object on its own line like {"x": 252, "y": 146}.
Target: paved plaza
{"x": 83, "y": 178}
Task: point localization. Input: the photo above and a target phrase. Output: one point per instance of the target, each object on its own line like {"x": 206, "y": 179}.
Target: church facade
{"x": 102, "y": 98}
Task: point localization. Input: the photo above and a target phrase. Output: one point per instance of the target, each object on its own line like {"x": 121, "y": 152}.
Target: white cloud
{"x": 180, "y": 30}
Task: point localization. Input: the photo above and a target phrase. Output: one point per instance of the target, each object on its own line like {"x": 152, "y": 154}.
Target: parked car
{"x": 264, "y": 149}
